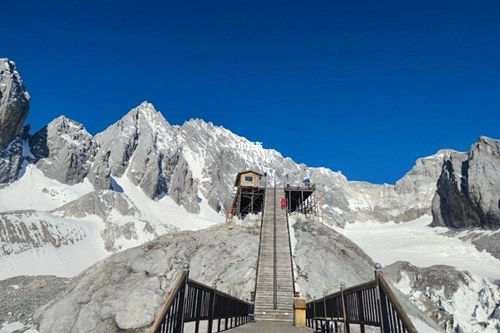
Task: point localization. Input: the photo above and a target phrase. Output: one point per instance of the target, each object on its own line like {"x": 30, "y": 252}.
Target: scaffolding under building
{"x": 251, "y": 190}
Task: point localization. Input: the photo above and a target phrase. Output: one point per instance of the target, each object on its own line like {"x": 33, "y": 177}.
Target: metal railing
{"x": 368, "y": 304}
{"x": 292, "y": 265}
{"x": 275, "y": 264}
{"x": 191, "y": 301}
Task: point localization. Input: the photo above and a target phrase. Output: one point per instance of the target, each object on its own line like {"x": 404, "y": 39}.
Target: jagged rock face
{"x": 450, "y": 297}
{"x": 145, "y": 146}
{"x": 467, "y": 190}
{"x": 199, "y": 160}
{"x": 64, "y": 149}
{"x": 221, "y": 155}
{"x": 14, "y": 102}
{"x": 361, "y": 201}
{"x": 11, "y": 159}
{"x": 100, "y": 173}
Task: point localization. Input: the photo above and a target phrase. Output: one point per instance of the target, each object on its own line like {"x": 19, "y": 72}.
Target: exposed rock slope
{"x": 468, "y": 191}
{"x": 64, "y": 150}
{"x": 125, "y": 291}
{"x": 22, "y": 231}
{"x": 458, "y": 301}
{"x": 123, "y": 222}
{"x": 14, "y": 102}
{"x": 14, "y": 108}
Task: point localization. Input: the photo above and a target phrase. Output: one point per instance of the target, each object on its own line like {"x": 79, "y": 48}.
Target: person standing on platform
{"x": 283, "y": 203}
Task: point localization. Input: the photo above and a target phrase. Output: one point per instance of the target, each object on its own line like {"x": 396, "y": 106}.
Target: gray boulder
{"x": 14, "y": 102}
{"x": 64, "y": 149}
{"x": 468, "y": 191}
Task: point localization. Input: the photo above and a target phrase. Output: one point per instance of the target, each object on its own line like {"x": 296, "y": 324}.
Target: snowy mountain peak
{"x": 147, "y": 112}
{"x": 64, "y": 150}
{"x": 65, "y": 122}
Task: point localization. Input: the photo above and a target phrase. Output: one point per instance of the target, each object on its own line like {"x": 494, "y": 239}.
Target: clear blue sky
{"x": 365, "y": 87}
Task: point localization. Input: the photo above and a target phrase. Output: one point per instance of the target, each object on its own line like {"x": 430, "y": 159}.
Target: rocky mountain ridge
{"x": 193, "y": 165}
{"x": 197, "y": 162}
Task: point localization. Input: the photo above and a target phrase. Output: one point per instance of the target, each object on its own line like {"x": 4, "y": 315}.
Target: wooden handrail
{"x": 168, "y": 303}
{"x": 191, "y": 301}
{"x": 373, "y": 303}
{"x": 395, "y": 303}
{"x": 275, "y": 264}
{"x": 351, "y": 290}
{"x": 201, "y": 286}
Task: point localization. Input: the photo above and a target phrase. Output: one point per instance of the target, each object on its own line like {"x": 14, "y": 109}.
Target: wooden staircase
{"x": 275, "y": 288}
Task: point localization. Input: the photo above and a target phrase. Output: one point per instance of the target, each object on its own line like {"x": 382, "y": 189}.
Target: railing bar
{"x": 371, "y": 306}
{"x": 400, "y": 322}
{"x": 275, "y": 277}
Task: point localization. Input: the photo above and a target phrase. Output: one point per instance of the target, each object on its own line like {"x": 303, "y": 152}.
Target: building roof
{"x": 237, "y": 182}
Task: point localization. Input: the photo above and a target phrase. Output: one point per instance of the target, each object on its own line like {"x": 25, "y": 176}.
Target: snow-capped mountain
{"x": 68, "y": 200}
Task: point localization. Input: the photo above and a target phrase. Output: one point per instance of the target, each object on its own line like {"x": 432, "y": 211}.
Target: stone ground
{"x": 271, "y": 326}
{"x": 20, "y": 296}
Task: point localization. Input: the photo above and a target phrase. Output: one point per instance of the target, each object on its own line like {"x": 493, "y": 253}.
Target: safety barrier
{"x": 369, "y": 304}
{"x": 191, "y": 301}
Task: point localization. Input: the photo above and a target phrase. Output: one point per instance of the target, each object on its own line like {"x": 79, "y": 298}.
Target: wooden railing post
{"x": 381, "y": 303}
{"x": 212, "y": 307}
{"x": 344, "y": 313}
{"x": 182, "y": 300}
{"x": 361, "y": 312}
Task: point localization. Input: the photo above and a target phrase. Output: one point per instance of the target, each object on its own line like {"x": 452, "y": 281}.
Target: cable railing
{"x": 191, "y": 301}
{"x": 368, "y": 304}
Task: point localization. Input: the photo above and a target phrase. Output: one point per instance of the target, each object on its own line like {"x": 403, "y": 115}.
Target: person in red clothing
{"x": 283, "y": 203}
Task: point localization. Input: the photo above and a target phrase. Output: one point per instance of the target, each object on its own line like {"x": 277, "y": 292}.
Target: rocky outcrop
{"x": 111, "y": 295}
{"x": 199, "y": 161}
{"x": 11, "y": 160}
{"x": 457, "y": 301}
{"x": 64, "y": 149}
{"x": 135, "y": 142}
{"x": 14, "y": 102}
{"x": 215, "y": 156}
{"x": 325, "y": 258}
{"x": 123, "y": 222}
{"x": 100, "y": 173}
{"x": 468, "y": 191}
{"x": 22, "y": 231}
{"x": 351, "y": 201}
{"x": 14, "y": 108}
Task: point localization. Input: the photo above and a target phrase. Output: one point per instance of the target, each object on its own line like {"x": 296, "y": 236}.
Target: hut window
{"x": 248, "y": 178}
